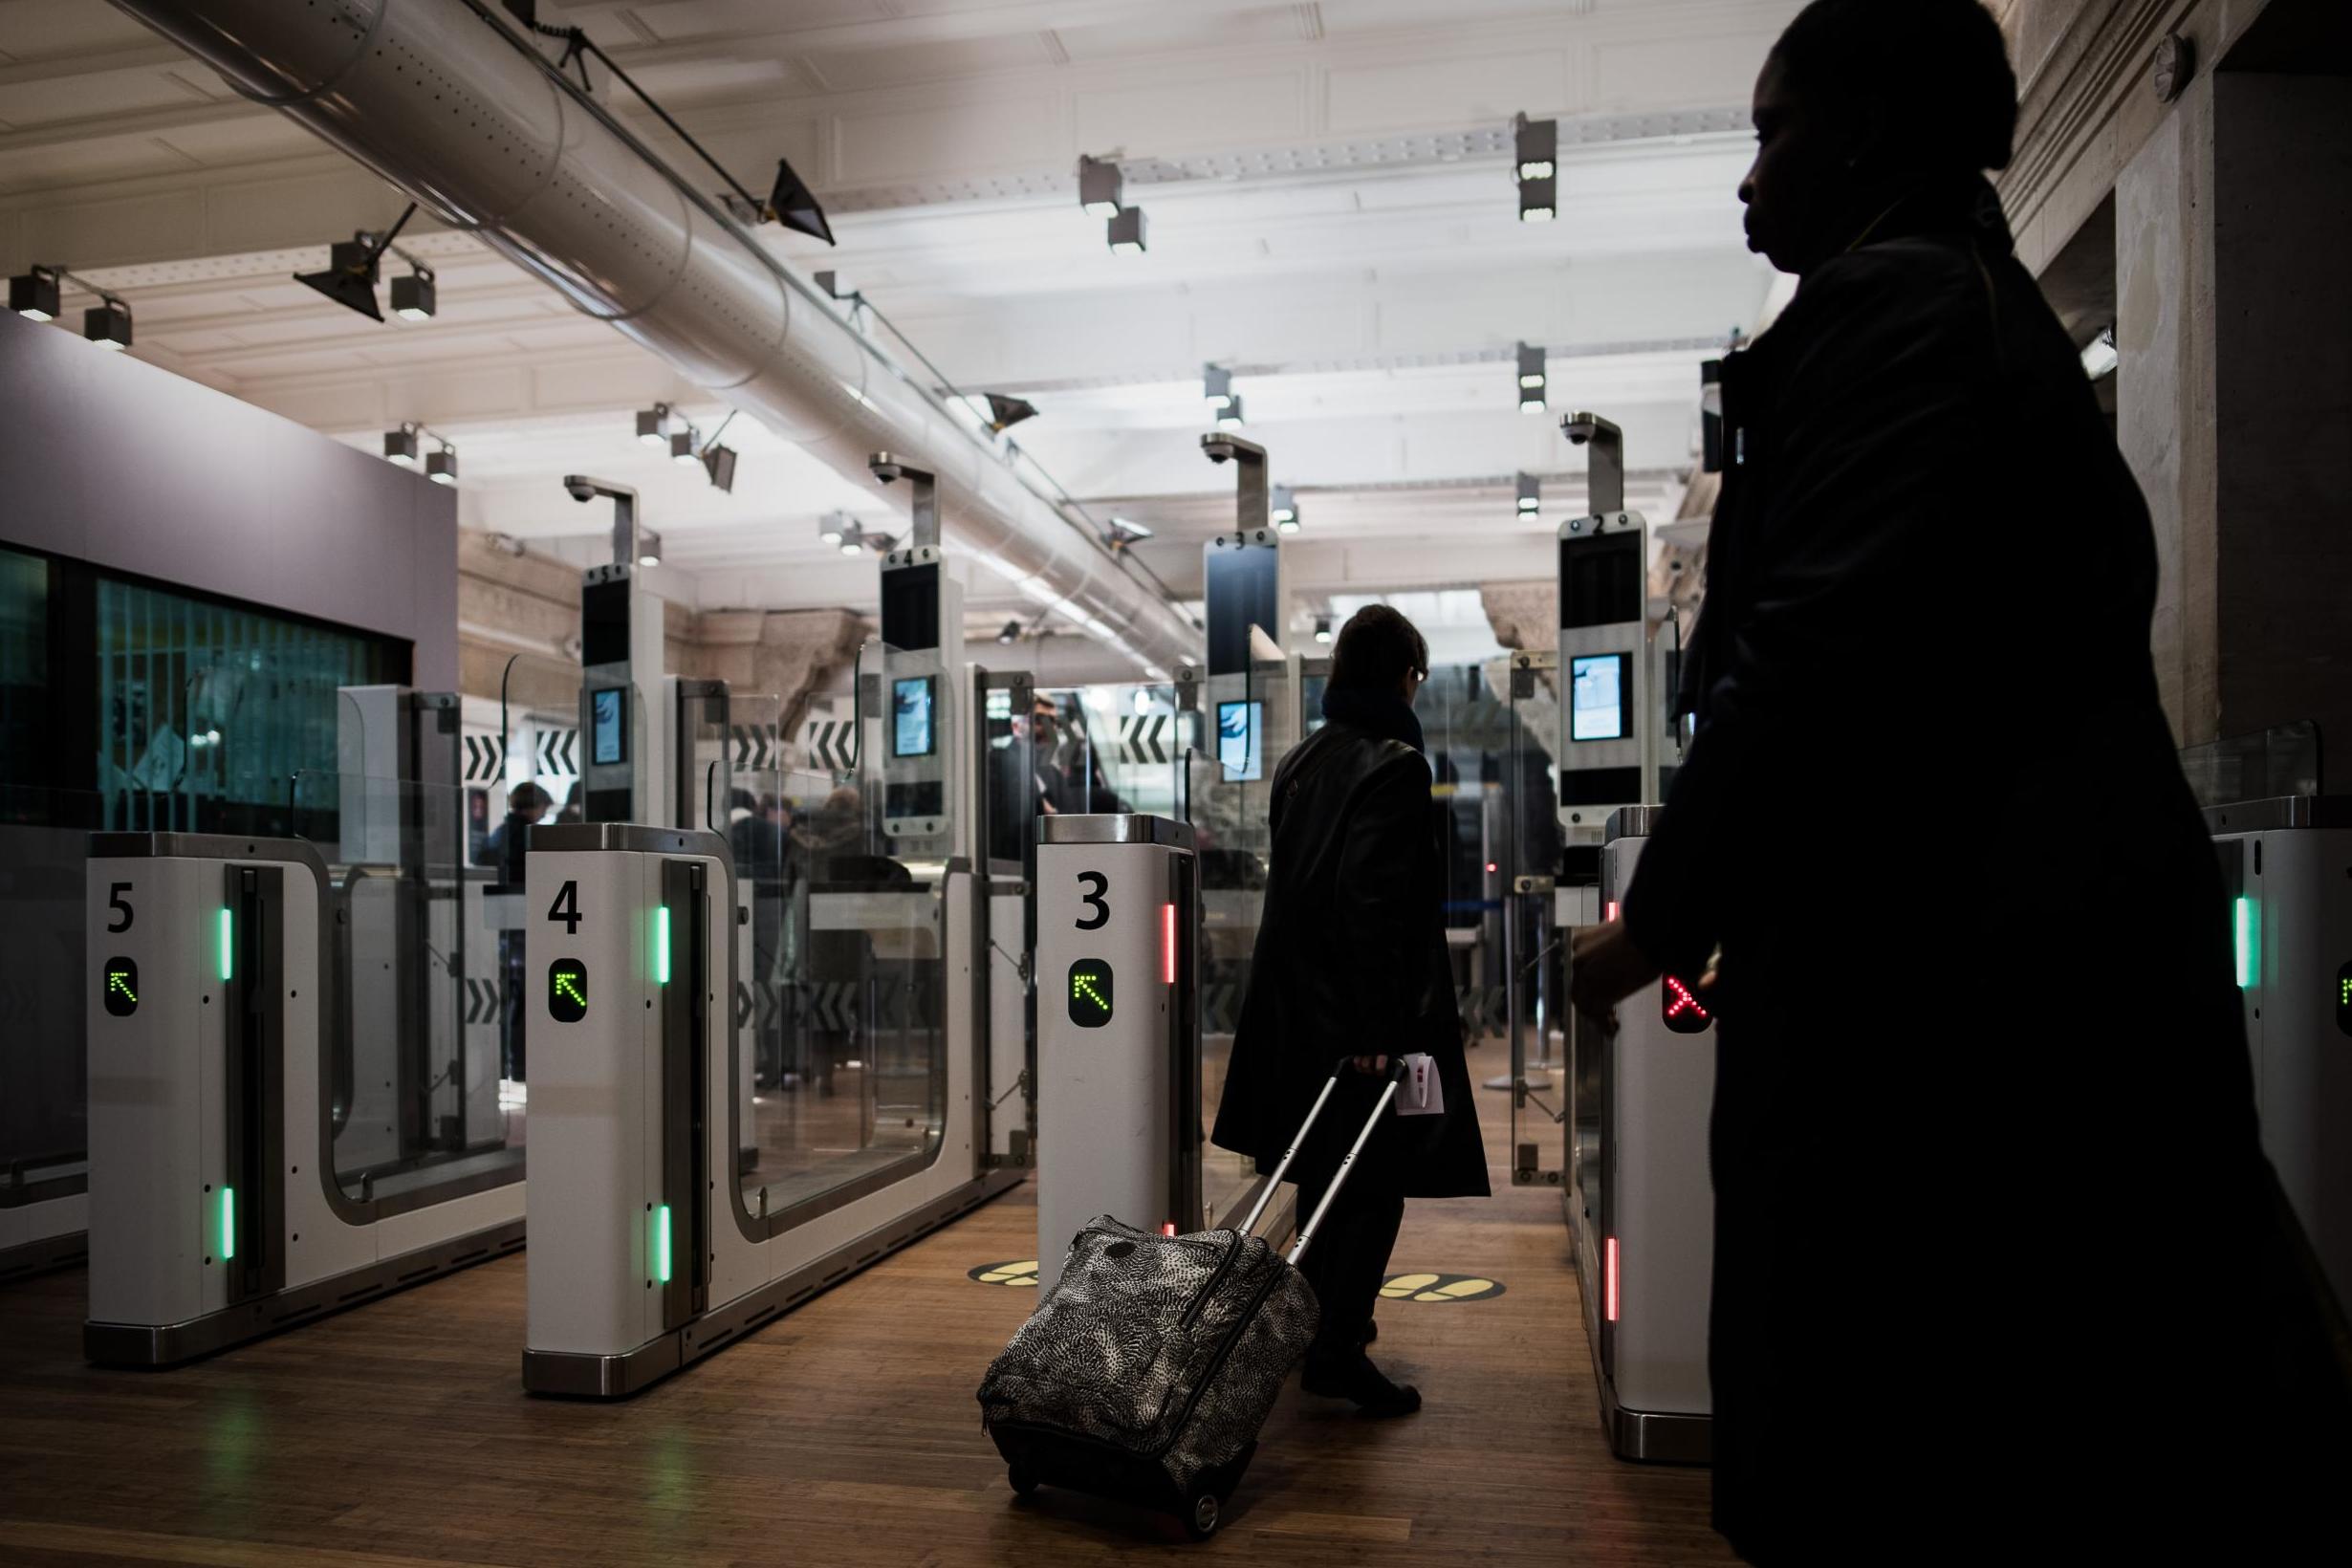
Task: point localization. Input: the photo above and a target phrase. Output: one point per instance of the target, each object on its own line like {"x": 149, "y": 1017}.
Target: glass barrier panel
{"x": 845, "y": 1005}
{"x": 540, "y": 740}
{"x": 1536, "y": 1007}
{"x": 1110, "y": 748}
{"x": 44, "y": 1092}
{"x": 2281, "y": 761}
{"x": 426, "y": 1048}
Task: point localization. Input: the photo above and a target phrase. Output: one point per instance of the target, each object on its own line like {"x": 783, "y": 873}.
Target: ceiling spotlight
{"x": 349, "y": 277}
{"x": 851, "y": 538}
{"x": 1216, "y": 386}
{"x": 1100, "y": 184}
{"x": 1283, "y": 506}
{"x": 108, "y": 323}
{"x": 653, "y": 424}
{"x": 413, "y": 295}
{"x": 1005, "y": 412}
{"x": 719, "y": 462}
{"x": 2099, "y": 358}
{"x": 1230, "y": 417}
{"x": 1010, "y": 634}
{"x": 1530, "y": 494}
{"x": 1125, "y": 232}
{"x": 1538, "y": 199}
{"x": 648, "y": 548}
{"x": 681, "y": 449}
{"x": 791, "y": 203}
{"x": 1537, "y": 142}
{"x": 442, "y": 467}
{"x": 882, "y": 544}
{"x": 1531, "y": 366}
{"x": 1322, "y": 628}
{"x": 401, "y": 446}
{"x": 35, "y": 293}
{"x": 835, "y": 526}
{"x": 1126, "y": 531}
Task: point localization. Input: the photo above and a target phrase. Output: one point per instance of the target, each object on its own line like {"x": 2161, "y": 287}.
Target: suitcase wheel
{"x": 1201, "y": 1519}
{"x": 1024, "y": 1480}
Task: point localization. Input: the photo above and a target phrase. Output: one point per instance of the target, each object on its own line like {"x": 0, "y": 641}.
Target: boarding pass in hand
{"x": 1421, "y": 1093}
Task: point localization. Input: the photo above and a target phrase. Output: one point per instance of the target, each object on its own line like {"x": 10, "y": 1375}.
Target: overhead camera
{"x": 580, "y": 487}
{"x": 888, "y": 469}
{"x": 1220, "y": 448}
{"x": 1581, "y": 427}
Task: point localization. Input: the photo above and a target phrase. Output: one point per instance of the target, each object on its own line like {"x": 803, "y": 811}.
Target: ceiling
{"x": 1331, "y": 212}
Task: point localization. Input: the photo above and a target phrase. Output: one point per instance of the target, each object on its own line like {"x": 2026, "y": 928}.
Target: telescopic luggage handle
{"x": 1306, "y": 1233}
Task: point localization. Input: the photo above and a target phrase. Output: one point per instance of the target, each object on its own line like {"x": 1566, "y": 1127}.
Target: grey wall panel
{"x": 131, "y": 466}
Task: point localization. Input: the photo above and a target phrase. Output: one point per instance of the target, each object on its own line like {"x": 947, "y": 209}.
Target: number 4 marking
{"x": 566, "y": 908}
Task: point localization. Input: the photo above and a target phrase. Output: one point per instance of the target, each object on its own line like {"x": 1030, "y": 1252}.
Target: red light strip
{"x": 1168, "y": 944}
{"x": 1612, "y": 910}
{"x": 1168, "y": 1228}
{"x": 1608, "y": 1281}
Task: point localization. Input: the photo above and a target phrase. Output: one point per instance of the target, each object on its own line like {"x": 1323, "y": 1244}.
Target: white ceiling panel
{"x": 1412, "y": 93}
{"x": 707, "y": 19}
{"x": 92, "y": 95}
{"x": 1243, "y": 108}
{"x": 35, "y": 30}
{"x": 1179, "y": 28}
{"x": 862, "y": 70}
{"x": 891, "y": 144}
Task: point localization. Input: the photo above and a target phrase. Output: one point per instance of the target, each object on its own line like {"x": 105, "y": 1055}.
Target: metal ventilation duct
{"x": 436, "y": 98}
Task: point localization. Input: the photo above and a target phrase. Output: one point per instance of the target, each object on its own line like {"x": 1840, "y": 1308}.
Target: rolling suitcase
{"x": 1147, "y": 1370}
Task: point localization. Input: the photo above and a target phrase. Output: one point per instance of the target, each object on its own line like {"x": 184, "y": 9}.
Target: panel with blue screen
{"x": 1600, "y": 699}
{"x": 912, "y": 731}
{"x": 1241, "y": 733}
{"x": 610, "y": 743}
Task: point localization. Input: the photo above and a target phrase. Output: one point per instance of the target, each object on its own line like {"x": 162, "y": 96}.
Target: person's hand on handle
{"x": 1605, "y": 968}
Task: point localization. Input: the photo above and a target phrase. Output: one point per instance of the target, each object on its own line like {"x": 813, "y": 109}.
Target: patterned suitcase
{"x": 1147, "y": 1370}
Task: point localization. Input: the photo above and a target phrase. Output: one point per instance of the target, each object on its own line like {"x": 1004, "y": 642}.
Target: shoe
{"x": 1371, "y": 1331}
{"x": 1358, "y": 1379}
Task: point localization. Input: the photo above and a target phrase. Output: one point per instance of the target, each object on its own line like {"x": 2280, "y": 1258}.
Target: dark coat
{"x": 1351, "y": 961}
{"x": 1984, "y": 1147}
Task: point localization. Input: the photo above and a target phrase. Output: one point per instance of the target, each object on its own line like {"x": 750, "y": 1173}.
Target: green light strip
{"x": 660, "y": 1244}
{"x": 229, "y": 946}
{"x": 2249, "y": 956}
{"x": 229, "y": 1223}
{"x": 661, "y": 946}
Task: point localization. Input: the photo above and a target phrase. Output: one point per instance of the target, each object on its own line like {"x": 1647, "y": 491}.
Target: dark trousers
{"x": 1348, "y": 1258}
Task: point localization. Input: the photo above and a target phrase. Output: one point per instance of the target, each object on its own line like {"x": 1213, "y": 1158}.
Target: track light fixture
{"x": 1100, "y": 186}
{"x": 401, "y": 446}
{"x": 853, "y": 541}
{"x": 354, "y": 265}
{"x": 1538, "y": 198}
{"x": 1011, "y": 634}
{"x": 1125, "y": 232}
{"x": 1230, "y": 418}
{"x": 681, "y": 449}
{"x": 1006, "y": 412}
{"x": 1216, "y": 386}
{"x": 35, "y": 293}
{"x": 653, "y": 424}
{"x": 1533, "y": 379}
{"x": 1537, "y": 144}
{"x": 835, "y": 526}
{"x": 1322, "y": 628}
{"x": 791, "y": 203}
{"x": 441, "y": 467}
{"x": 1126, "y": 531}
{"x": 1531, "y": 495}
{"x": 108, "y": 323}
{"x": 719, "y": 462}
{"x": 648, "y": 548}
{"x": 1282, "y": 506}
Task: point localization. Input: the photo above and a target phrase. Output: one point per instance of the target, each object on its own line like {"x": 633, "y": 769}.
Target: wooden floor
{"x": 846, "y": 1434}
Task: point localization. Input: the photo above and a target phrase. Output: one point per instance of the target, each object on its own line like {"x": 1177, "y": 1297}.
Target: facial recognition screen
{"x": 910, "y": 716}
{"x": 1599, "y": 697}
{"x": 1241, "y": 732}
{"x": 610, "y": 709}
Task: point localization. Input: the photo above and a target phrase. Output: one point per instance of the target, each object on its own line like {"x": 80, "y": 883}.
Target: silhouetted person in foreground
{"x": 1351, "y": 967}
{"x": 1999, "y": 1269}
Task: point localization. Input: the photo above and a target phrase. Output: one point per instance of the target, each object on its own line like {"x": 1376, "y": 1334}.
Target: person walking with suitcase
{"x": 1351, "y": 963}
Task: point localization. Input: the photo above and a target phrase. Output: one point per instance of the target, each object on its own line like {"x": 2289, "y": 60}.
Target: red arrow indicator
{"x": 1679, "y": 1006}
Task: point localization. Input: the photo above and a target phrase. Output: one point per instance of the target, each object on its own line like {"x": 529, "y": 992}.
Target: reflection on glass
{"x": 44, "y": 847}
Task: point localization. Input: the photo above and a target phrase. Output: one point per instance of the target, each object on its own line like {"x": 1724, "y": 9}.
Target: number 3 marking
{"x": 1094, "y": 900}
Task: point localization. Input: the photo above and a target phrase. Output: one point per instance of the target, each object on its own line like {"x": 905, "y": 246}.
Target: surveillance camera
{"x": 886, "y": 469}
{"x": 580, "y": 487}
{"x": 1219, "y": 452}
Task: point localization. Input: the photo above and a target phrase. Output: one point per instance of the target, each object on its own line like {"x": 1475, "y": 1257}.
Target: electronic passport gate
{"x": 217, "y": 1210}
{"x": 644, "y": 1256}
{"x": 1641, "y": 1099}
{"x": 1119, "y": 1038}
{"x": 2287, "y": 871}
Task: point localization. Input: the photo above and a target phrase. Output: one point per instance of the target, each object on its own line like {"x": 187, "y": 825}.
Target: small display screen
{"x": 1599, "y": 697}
{"x": 122, "y": 982}
{"x": 1241, "y": 730}
{"x": 567, "y": 990}
{"x": 1090, "y": 993}
{"x": 609, "y": 707}
{"x": 912, "y": 735}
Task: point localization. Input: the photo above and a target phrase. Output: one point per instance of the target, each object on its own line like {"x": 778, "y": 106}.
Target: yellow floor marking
{"x": 1403, "y": 1285}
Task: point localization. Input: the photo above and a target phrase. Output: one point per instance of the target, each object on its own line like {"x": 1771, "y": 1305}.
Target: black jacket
{"x": 1982, "y": 1078}
{"x": 1351, "y": 961}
